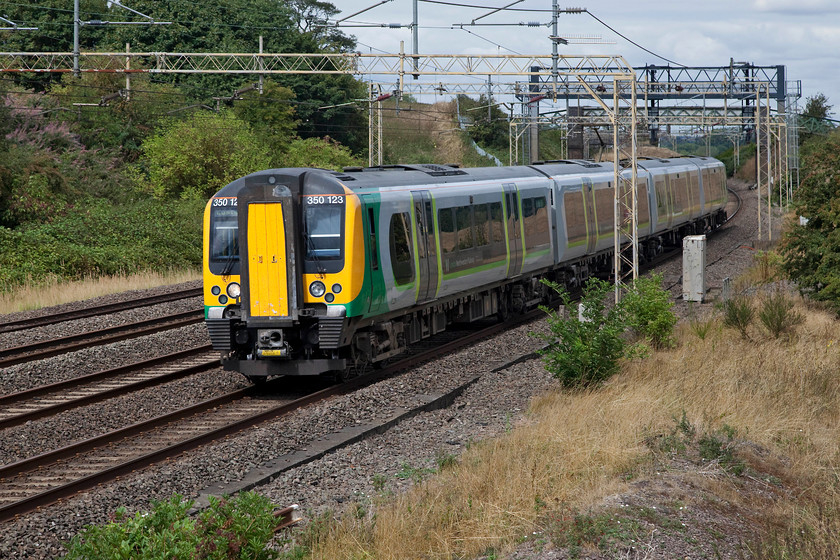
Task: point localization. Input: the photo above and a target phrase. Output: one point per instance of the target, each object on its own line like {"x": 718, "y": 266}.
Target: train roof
{"x": 424, "y": 174}
{"x": 362, "y": 178}
{"x": 653, "y": 163}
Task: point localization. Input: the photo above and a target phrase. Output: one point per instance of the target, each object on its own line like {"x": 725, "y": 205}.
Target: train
{"x": 313, "y": 272}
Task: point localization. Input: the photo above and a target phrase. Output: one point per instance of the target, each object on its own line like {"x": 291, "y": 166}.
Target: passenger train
{"x": 310, "y": 271}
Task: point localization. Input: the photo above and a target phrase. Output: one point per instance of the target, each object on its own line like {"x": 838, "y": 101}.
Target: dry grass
{"x": 783, "y": 396}
{"x": 747, "y": 171}
{"x": 423, "y": 133}
{"x": 55, "y": 293}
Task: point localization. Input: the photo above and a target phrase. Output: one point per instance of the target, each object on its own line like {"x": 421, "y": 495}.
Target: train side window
{"x": 661, "y": 196}
{"x": 604, "y": 200}
{"x": 681, "y": 200}
{"x": 527, "y": 207}
{"x": 643, "y": 209}
{"x": 463, "y": 215}
{"x": 446, "y": 224}
{"x": 402, "y": 262}
{"x": 497, "y": 223}
{"x": 535, "y": 222}
{"x": 541, "y": 211}
{"x": 575, "y": 217}
{"x": 482, "y": 225}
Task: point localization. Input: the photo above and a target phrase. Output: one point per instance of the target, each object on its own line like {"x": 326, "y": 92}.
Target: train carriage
{"x": 309, "y": 271}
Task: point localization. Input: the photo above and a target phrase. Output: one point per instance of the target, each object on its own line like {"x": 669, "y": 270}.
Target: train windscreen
{"x": 323, "y": 231}
{"x": 224, "y": 240}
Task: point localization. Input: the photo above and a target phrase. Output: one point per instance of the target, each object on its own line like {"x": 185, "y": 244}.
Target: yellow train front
{"x": 280, "y": 310}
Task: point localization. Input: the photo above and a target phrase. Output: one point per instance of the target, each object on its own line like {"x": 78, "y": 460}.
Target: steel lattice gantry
{"x": 608, "y": 80}
{"x": 580, "y": 70}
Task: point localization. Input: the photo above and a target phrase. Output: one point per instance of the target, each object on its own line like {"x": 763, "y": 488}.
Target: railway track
{"x": 38, "y": 481}
{"x": 53, "y": 318}
{"x": 61, "y": 473}
{"x": 40, "y": 350}
{"x": 47, "y": 400}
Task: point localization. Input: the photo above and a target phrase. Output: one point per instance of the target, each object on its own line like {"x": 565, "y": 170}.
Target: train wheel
{"x": 257, "y": 380}
{"x": 504, "y": 308}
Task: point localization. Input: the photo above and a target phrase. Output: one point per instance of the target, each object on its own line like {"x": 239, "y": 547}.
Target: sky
{"x": 803, "y": 35}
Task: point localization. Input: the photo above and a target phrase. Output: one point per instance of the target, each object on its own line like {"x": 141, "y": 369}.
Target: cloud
{"x": 797, "y": 7}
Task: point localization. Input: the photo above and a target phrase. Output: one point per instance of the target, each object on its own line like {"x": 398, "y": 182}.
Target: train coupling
{"x": 271, "y": 344}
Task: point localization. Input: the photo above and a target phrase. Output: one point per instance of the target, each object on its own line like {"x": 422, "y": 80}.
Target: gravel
{"x": 487, "y": 408}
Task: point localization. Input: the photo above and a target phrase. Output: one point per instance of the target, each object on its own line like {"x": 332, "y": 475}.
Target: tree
{"x": 326, "y": 108}
{"x": 811, "y": 252}
{"x": 98, "y": 108}
{"x": 195, "y": 157}
{"x": 815, "y": 116}
{"x": 490, "y": 128}
{"x": 318, "y": 152}
{"x": 271, "y": 115}
{"x": 817, "y": 106}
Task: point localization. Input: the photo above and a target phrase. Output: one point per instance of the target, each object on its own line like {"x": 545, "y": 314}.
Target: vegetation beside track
{"x": 725, "y": 438}
{"x": 677, "y": 449}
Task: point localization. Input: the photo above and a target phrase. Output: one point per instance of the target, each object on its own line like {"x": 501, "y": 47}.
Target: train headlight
{"x": 336, "y": 288}
{"x": 317, "y": 288}
{"x": 233, "y": 290}
{"x": 215, "y": 290}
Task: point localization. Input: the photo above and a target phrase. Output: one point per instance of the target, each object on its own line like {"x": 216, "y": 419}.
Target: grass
{"x": 579, "y": 447}
{"x": 57, "y": 292}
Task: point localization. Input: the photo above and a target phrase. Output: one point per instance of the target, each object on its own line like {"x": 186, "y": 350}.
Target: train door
{"x": 514, "y": 229}
{"x": 591, "y": 217}
{"x": 427, "y": 265}
{"x": 370, "y": 205}
{"x": 268, "y": 287}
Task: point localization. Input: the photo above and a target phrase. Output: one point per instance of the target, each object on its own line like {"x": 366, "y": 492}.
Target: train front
{"x": 283, "y": 272}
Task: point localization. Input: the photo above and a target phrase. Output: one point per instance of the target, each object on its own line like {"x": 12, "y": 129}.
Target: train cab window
{"x": 323, "y": 231}
{"x": 400, "y": 244}
{"x": 224, "y": 240}
{"x": 225, "y": 228}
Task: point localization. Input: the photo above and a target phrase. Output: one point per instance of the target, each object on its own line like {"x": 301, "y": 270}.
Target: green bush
{"x": 585, "y": 352}
{"x": 649, "y": 312}
{"x": 777, "y": 314}
{"x": 738, "y": 313}
{"x": 196, "y": 157}
{"x": 101, "y": 238}
{"x": 236, "y": 528}
{"x": 319, "y": 152}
